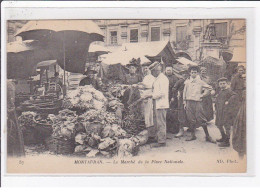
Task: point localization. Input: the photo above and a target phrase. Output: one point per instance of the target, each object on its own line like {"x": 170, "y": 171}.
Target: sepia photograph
{"x": 139, "y": 96}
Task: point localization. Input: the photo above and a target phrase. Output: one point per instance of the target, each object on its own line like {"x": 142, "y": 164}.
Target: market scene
{"x": 125, "y": 88}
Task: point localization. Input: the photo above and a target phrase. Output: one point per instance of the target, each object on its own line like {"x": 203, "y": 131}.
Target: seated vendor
{"x": 132, "y": 77}
{"x": 90, "y": 79}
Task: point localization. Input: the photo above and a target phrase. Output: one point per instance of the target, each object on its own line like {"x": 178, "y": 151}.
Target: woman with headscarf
{"x": 15, "y": 143}
{"x": 207, "y": 103}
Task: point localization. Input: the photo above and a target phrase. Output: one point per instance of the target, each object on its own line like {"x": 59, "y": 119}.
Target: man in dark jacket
{"x": 225, "y": 111}
{"x": 172, "y": 112}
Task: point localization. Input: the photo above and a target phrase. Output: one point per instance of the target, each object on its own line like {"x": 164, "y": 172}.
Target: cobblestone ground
{"x": 178, "y": 146}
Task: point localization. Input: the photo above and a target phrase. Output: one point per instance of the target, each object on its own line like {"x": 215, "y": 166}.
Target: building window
{"x": 221, "y": 30}
{"x": 181, "y": 33}
{"x": 134, "y": 35}
{"x": 155, "y": 33}
{"x": 113, "y": 37}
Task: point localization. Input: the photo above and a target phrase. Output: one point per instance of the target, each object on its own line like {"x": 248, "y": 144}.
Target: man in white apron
{"x": 146, "y": 92}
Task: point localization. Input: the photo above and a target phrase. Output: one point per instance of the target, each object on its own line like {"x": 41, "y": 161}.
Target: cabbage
{"x": 98, "y": 105}
{"x": 86, "y": 97}
{"x": 80, "y": 138}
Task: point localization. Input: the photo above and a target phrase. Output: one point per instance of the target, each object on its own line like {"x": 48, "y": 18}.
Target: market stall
{"x": 85, "y": 121}
{"x": 88, "y": 125}
{"x": 114, "y": 63}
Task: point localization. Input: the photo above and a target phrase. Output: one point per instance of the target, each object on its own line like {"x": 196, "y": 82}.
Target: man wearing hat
{"x": 225, "y": 114}
{"x": 194, "y": 91}
{"x": 90, "y": 79}
{"x": 160, "y": 97}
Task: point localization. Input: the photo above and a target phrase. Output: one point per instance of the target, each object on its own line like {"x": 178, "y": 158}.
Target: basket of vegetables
{"x": 43, "y": 128}
{"x": 63, "y": 136}
{"x": 27, "y": 124}
{"x": 59, "y": 145}
{"x": 35, "y": 128}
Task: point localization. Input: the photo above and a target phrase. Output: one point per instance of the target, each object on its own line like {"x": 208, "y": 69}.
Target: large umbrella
{"x": 22, "y": 58}
{"x": 68, "y": 40}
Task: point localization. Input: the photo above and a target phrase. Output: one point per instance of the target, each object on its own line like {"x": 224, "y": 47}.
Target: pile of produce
{"x": 64, "y": 123}
{"x": 99, "y": 116}
{"x": 129, "y": 147}
{"x": 99, "y": 139}
{"x": 98, "y": 128}
{"x": 84, "y": 98}
{"x": 42, "y": 120}
{"x": 27, "y": 119}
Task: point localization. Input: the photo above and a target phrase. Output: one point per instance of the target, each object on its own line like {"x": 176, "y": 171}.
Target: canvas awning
{"x": 146, "y": 51}
{"x": 45, "y": 64}
{"x": 182, "y": 65}
{"x": 98, "y": 48}
{"x": 185, "y": 61}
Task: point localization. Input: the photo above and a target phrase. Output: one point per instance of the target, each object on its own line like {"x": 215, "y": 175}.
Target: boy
{"x": 194, "y": 90}
{"x": 225, "y": 105}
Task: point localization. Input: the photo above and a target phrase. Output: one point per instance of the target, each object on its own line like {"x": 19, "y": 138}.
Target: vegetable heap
{"x": 63, "y": 124}
{"x": 84, "y": 98}
{"x": 27, "y": 119}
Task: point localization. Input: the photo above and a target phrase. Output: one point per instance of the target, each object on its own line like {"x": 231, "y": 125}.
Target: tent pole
{"x": 64, "y": 67}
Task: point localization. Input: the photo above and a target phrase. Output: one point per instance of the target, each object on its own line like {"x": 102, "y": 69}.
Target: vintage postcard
{"x": 133, "y": 96}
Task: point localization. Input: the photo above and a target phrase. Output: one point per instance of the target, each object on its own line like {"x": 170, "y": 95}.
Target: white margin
{"x": 156, "y": 10}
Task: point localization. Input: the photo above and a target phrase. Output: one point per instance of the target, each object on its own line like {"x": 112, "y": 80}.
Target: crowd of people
{"x": 175, "y": 102}
{"x": 186, "y": 101}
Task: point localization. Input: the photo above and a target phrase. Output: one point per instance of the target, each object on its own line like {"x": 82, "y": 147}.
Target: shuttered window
{"x": 221, "y": 30}
{"x": 113, "y": 37}
{"x": 155, "y": 34}
{"x": 181, "y": 33}
{"x": 134, "y": 35}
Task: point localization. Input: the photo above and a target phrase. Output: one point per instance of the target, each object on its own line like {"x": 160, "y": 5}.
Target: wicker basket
{"x": 29, "y": 135}
{"x": 43, "y": 131}
{"x": 60, "y": 145}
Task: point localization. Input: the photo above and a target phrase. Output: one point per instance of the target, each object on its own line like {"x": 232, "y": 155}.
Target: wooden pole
{"x": 64, "y": 66}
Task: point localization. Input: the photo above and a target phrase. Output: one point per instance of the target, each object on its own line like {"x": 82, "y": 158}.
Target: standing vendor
{"x": 130, "y": 79}
{"x": 146, "y": 91}
{"x": 90, "y": 79}
{"x": 161, "y": 101}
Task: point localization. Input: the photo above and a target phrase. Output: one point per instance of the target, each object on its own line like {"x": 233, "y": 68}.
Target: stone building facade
{"x": 186, "y": 36}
